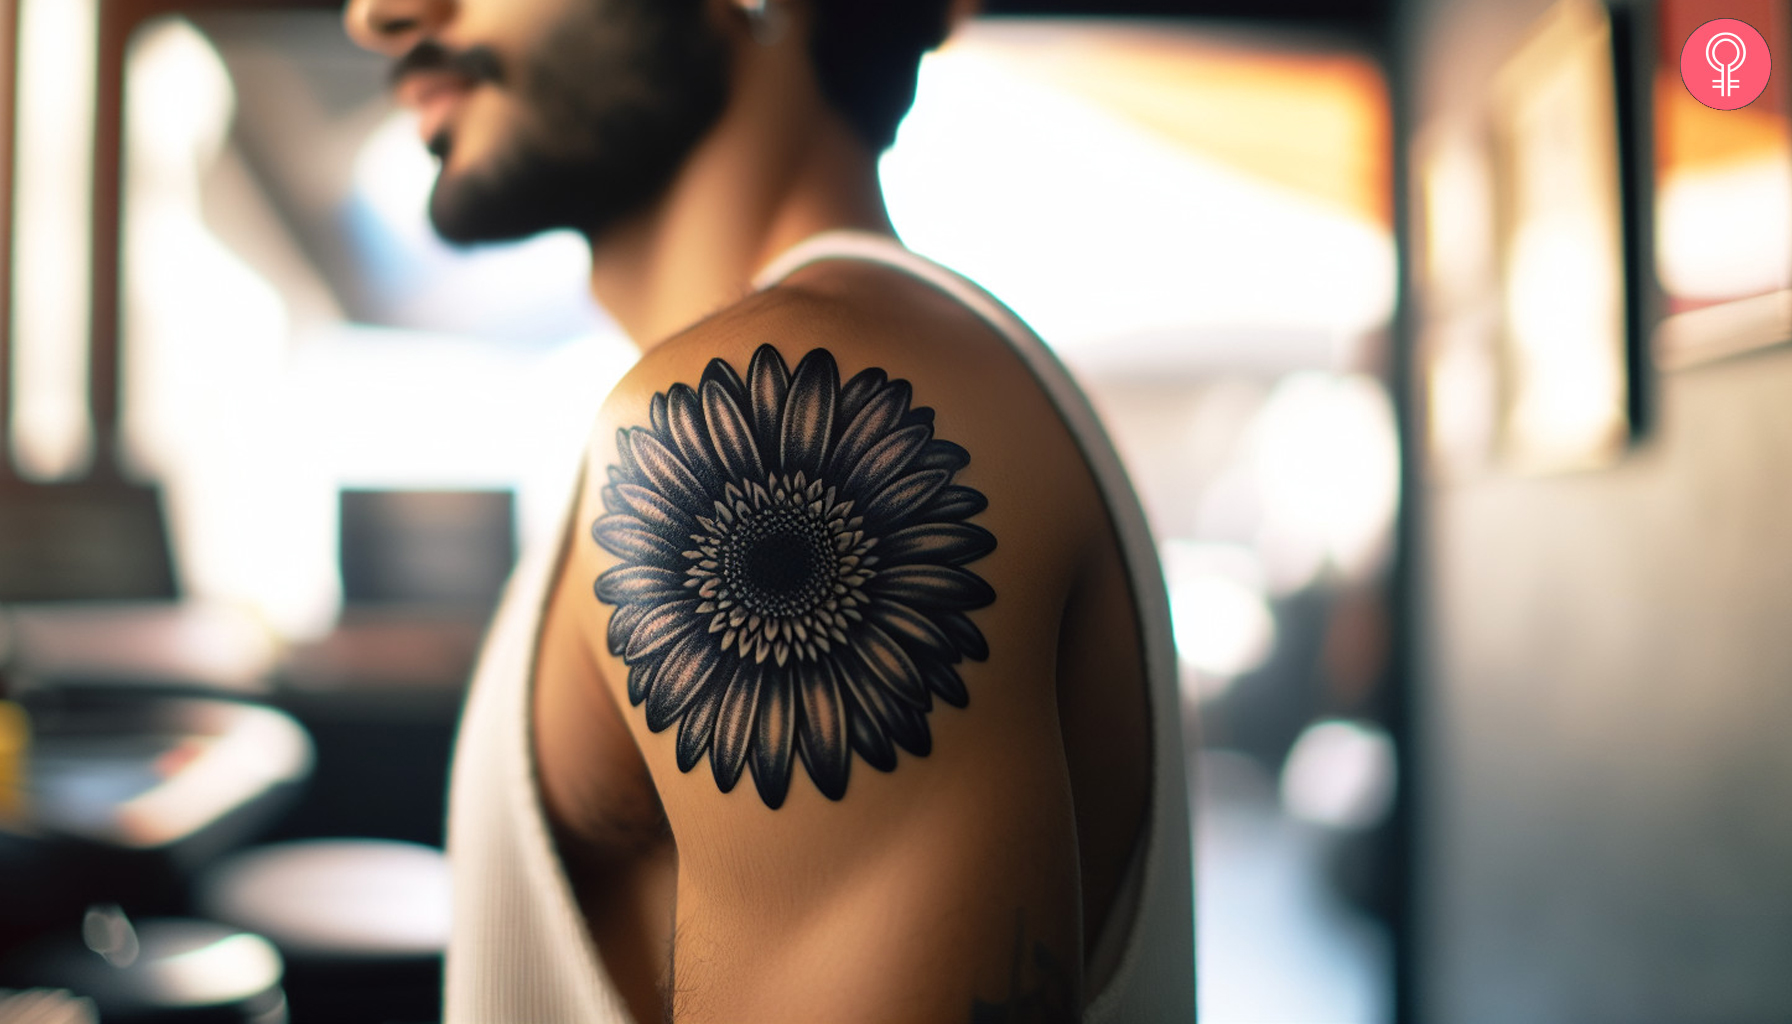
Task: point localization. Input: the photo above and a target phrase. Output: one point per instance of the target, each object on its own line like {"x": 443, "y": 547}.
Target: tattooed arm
{"x": 825, "y": 602}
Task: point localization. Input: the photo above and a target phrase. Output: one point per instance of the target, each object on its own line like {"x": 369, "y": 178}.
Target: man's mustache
{"x": 476, "y": 63}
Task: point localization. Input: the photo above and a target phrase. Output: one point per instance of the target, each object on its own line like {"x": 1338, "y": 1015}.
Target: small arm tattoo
{"x": 1040, "y": 989}
{"x": 792, "y": 583}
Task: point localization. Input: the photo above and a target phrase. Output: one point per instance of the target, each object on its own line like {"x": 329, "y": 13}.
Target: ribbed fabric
{"x": 519, "y": 950}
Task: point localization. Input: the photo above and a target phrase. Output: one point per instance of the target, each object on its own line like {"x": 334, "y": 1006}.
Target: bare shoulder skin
{"x": 877, "y": 818}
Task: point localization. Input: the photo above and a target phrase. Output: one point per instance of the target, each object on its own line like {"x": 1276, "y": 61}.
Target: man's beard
{"x": 615, "y": 100}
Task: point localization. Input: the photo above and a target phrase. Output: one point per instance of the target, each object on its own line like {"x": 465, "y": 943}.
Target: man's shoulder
{"x": 868, "y": 321}
{"x": 860, "y": 399}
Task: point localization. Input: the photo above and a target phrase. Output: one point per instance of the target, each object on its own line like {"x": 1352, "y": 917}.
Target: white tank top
{"x": 520, "y": 953}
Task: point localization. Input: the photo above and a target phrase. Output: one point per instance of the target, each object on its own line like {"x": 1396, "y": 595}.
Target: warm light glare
{"x": 52, "y": 433}
{"x": 1103, "y": 234}
{"x": 1327, "y": 461}
{"x": 1561, "y": 300}
{"x": 398, "y": 409}
{"x": 1723, "y": 231}
{"x": 205, "y": 343}
{"x": 1222, "y": 623}
{"x": 1340, "y": 774}
{"x": 1457, "y": 186}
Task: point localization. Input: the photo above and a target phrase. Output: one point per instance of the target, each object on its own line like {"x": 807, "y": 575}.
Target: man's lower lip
{"x": 433, "y": 116}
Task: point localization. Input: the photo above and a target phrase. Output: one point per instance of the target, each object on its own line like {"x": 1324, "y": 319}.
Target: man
{"x": 846, "y": 696}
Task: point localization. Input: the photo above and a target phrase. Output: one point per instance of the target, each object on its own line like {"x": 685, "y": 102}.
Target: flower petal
{"x": 656, "y": 413}
{"x": 821, "y": 728}
{"x": 931, "y": 587}
{"x": 884, "y": 461}
{"x": 768, "y": 381}
{"x": 879, "y": 416}
{"x": 912, "y": 629}
{"x": 897, "y": 720}
{"x": 734, "y": 726}
{"x": 725, "y": 378}
{"x": 809, "y": 414}
{"x": 919, "y": 414}
{"x": 867, "y": 734}
{"x": 942, "y": 455}
{"x": 901, "y": 500}
{"x": 627, "y": 537}
{"x": 622, "y": 625}
{"x": 909, "y": 729}
{"x": 954, "y": 503}
{"x": 936, "y": 544}
{"x": 660, "y": 515}
{"x": 890, "y": 665}
{"x": 774, "y": 734}
{"x": 666, "y": 474}
{"x": 638, "y": 584}
{"x": 965, "y": 635}
{"x": 698, "y": 725}
{"x": 683, "y": 674}
{"x": 944, "y": 680}
{"x": 731, "y": 434}
{"x": 858, "y": 391}
{"x": 689, "y": 436}
{"x": 640, "y": 681}
{"x": 625, "y": 455}
{"x": 661, "y": 625}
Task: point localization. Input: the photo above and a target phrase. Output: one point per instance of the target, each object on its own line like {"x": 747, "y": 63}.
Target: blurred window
{"x": 1723, "y": 198}
{"x": 1723, "y": 177}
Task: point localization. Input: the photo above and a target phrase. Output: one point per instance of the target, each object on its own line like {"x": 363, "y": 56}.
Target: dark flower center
{"x": 779, "y": 561}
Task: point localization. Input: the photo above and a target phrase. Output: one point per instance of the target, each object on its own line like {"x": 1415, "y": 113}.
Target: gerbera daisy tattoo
{"x": 793, "y": 580}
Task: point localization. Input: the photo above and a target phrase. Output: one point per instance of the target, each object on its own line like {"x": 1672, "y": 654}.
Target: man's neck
{"x": 778, "y": 167}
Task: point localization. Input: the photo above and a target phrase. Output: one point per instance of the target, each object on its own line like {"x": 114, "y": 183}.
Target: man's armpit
{"x": 793, "y": 582}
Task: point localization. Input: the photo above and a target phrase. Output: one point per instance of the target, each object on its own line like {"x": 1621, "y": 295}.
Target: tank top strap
{"x": 882, "y": 249}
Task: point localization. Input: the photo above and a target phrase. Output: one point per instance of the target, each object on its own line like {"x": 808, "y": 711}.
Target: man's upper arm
{"x": 842, "y": 686}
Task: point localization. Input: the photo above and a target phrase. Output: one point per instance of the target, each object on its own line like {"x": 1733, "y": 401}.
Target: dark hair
{"x": 866, "y": 53}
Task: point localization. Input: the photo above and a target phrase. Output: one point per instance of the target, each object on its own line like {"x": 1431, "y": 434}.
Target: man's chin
{"x": 468, "y": 213}
{"x": 478, "y": 207}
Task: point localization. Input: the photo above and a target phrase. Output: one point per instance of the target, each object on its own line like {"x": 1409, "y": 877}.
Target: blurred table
{"x": 146, "y": 644}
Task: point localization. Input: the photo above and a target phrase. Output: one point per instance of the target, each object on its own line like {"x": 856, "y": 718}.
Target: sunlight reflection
{"x": 52, "y": 433}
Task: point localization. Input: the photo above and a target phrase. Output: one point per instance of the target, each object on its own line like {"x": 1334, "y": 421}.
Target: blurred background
{"x": 1443, "y": 340}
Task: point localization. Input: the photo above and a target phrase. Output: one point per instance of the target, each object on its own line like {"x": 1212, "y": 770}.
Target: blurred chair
{"x": 94, "y": 539}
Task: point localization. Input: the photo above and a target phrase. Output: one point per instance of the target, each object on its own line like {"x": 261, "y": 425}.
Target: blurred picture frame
{"x": 1568, "y": 245}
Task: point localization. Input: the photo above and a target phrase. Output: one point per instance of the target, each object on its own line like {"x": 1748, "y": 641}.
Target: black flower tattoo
{"x": 792, "y": 582}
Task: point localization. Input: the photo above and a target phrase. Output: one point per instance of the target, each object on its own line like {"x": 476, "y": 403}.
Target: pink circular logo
{"x": 1725, "y": 64}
